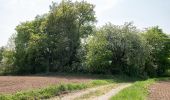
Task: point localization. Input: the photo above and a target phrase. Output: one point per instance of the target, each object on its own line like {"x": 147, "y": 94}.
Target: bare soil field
{"x": 13, "y": 84}
{"x": 160, "y": 91}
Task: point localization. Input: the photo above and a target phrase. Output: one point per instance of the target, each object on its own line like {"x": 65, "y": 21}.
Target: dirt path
{"x": 77, "y": 95}
{"x": 160, "y": 91}
{"x": 113, "y": 92}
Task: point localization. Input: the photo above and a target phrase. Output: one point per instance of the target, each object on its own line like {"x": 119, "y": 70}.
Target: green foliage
{"x": 98, "y": 55}
{"x": 8, "y": 57}
{"x": 66, "y": 24}
{"x": 160, "y": 50}
{"x": 117, "y": 49}
{"x": 50, "y": 42}
{"x": 1, "y": 54}
{"x": 28, "y": 46}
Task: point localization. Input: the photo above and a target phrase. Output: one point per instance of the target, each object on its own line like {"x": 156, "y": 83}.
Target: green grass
{"x": 138, "y": 91}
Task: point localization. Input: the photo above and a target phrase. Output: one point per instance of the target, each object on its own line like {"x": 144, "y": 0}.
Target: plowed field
{"x": 160, "y": 91}
{"x": 12, "y": 84}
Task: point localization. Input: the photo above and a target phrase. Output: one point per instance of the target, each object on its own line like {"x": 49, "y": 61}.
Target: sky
{"x": 144, "y": 13}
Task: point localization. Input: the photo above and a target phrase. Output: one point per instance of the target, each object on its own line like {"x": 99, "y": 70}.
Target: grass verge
{"x": 138, "y": 91}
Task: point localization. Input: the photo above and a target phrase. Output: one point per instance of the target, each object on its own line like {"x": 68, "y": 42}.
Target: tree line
{"x": 66, "y": 40}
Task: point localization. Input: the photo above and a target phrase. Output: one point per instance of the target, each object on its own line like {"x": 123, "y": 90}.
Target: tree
{"x": 30, "y": 46}
{"x": 7, "y": 56}
{"x": 52, "y": 40}
{"x": 117, "y": 49}
{"x": 160, "y": 51}
{"x": 67, "y": 23}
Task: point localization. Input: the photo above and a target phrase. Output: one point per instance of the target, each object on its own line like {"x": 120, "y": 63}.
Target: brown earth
{"x": 160, "y": 91}
{"x": 13, "y": 84}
